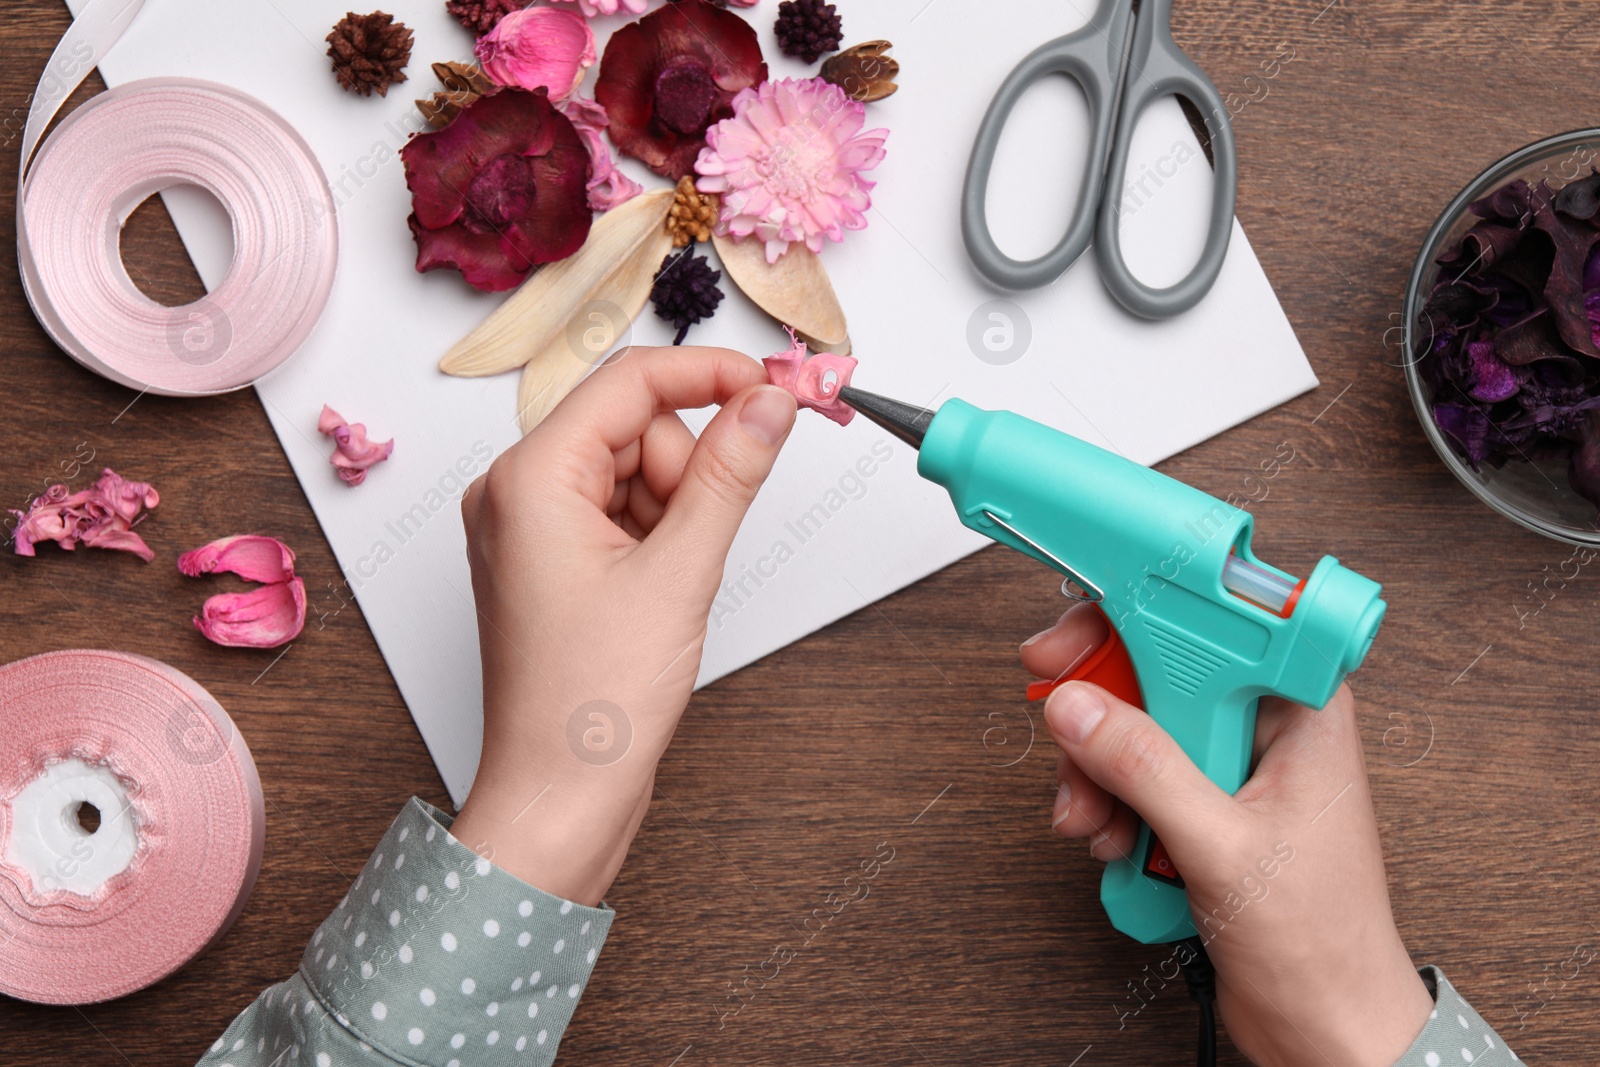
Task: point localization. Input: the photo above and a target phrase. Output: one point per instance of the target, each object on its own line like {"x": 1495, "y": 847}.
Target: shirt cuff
{"x": 437, "y": 957}
{"x": 1455, "y": 1034}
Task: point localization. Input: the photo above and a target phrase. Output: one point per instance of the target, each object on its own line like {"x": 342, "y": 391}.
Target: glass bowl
{"x": 1533, "y": 494}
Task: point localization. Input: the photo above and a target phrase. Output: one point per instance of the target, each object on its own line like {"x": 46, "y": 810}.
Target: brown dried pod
{"x": 866, "y": 72}
{"x": 369, "y": 52}
{"x": 463, "y": 83}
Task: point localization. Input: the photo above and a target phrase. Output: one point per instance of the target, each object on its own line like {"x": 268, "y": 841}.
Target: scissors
{"x": 1123, "y": 60}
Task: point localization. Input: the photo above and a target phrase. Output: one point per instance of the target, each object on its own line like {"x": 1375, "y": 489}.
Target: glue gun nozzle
{"x": 906, "y": 421}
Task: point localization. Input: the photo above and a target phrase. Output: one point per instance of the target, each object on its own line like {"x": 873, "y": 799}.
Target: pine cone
{"x": 480, "y": 16}
{"x": 685, "y": 291}
{"x": 808, "y": 28}
{"x": 369, "y": 52}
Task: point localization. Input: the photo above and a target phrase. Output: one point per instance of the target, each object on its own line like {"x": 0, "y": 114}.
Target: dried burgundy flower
{"x": 808, "y": 29}
{"x": 685, "y": 291}
{"x": 499, "y": 191}
{"x": 666, "y": 78}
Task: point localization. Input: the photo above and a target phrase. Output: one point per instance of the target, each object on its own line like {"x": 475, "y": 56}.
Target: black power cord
{"x": 1201, "y": 979}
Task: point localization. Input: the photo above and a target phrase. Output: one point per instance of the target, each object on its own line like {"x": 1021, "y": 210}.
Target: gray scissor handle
{"x": 1093, "y": 58}
{"x": 1157, "y": 68}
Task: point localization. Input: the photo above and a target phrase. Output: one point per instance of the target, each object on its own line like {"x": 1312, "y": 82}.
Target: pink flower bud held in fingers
{"x": 353, "y": 454}
{"x": 815, "y": 381}
{"x": 538, "y": 48}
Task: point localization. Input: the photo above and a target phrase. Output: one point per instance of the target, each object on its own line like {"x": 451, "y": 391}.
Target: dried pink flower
{"x": 789, "y": 162}
{"x": 353, "y": 454}
{"x": 815, "y": 381}
{"x": 538, "y": 48}
{"x": 253, "y": 557}
{"x": 608, "y": 186}
{"x": 591, "y": 8}
{"x": 101, "y": 516}
{"x": 265, "y": 617}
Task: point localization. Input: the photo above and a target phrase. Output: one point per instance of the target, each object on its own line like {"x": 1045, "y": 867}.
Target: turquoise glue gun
{"x": 1200, "y": 629}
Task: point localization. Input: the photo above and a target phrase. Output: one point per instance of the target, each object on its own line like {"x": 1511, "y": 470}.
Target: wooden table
{"x": 982, "y": 941}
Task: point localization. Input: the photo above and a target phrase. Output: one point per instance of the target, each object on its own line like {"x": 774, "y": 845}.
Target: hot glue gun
{"x": 1200, "y": 629}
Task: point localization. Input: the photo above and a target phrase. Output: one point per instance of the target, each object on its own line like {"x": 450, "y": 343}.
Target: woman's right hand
{"x": 1285, "y": 879}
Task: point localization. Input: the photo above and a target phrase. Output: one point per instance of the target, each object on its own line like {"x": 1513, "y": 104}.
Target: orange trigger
{"x": 1109, "y": 668}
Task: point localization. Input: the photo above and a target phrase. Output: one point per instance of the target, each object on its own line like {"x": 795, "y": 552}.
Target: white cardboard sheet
{"x": 825, "y": 538}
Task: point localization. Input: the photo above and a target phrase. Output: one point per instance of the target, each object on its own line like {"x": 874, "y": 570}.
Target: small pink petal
{"x": 538, "y": 48}
{"x": 253, "y": 557}
{"x": 116, "y": 536}
{"x": 101, "y": 516}
{"x": 353, "y": 454}
{"x": 265, "y": 617}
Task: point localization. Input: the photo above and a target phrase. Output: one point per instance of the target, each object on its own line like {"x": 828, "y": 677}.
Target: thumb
{"x": 1130, "y": 756}
{"x": 728, "y": 464}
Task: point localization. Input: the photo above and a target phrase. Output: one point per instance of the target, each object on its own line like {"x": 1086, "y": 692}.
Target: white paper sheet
{"x": 1147, "y": 390}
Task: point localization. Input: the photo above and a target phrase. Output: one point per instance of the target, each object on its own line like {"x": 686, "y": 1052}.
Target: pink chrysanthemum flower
{"x": 789, "y": 162}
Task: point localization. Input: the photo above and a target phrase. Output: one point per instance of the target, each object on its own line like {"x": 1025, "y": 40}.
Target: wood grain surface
{"x": 983, "y": 940}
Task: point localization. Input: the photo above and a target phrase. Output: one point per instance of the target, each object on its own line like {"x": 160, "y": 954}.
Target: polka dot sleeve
{"x": 435, "y": 958}
{"x": 1455, "y": 1034}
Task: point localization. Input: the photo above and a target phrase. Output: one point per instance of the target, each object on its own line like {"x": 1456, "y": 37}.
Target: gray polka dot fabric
{"x": 436, "y": 958}
{"x": 1455, "y": 1034}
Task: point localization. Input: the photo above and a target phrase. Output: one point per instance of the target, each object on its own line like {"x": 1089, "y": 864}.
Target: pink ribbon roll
{"x": 126, "y": 144}
{"x": 93, "y": 914}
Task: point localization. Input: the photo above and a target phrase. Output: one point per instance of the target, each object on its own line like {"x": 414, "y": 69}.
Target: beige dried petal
{"x": 532, "y": 320}
{"x": 556, "y": 371}
{"x": 795, "y": 290}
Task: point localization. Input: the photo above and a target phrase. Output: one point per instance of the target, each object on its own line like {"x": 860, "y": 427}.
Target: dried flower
{"x": 253, "y": 557}
{"x": 369, "y": 52}
{"x": 101, "y": 516}
{"x": 463, "y": 83}
{"x": 789, "y": 162}
{"x": 693, "y": 215}
{"x": 685, "y": 291}
{"x": 264, "y": 617}
{"x": 667, "y": 77}
{"x": 815, "y": 381}
{"x": 607, "y": 185}
{"x": 808, "y": 28}
{"x": 866, "y": 72}
{"x": 591, "y": 8}
{"x": 538, "y": 47}
{"x": 499, "y": 191}
{"x": 353, "y": 454}
{"x": 480, "y": 16}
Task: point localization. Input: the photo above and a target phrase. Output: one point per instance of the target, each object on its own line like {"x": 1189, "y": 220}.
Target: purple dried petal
{"x": 1492, "y": 380}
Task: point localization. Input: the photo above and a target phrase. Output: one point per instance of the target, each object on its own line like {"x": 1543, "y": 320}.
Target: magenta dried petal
{"x": 265, "y": 617}
{"x": 253, "y": 557}
{"x": 538, "y": 48}
{"x": 353, "y": 453}
{"x": 101, "y": 516}
{"x": 1492, "y": 379}
{"x": 116, "y": 536}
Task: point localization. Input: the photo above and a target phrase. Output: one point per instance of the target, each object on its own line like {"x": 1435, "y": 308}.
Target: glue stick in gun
{"x": 1199, "y": 628}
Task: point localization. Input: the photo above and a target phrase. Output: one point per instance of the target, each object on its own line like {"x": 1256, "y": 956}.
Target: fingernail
{"x": 1036, "y": 638}
{"x": 1073, "y": 711}
{"x": 1100, "y": 847}
{"x": 1063, "y": 804}
{"x": 767, "y": 414}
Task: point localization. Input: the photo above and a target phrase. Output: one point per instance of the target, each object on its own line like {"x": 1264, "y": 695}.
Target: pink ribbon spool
{"x": 91, "y": 916}
{"x": 102, "y": 162}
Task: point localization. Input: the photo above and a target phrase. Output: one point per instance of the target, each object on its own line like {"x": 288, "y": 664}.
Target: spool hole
{"x": 88, "y": 817}
{"x": 154, "y": 256}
